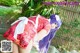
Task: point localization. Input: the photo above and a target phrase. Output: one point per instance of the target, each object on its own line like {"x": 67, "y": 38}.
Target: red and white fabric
{"x": 25, "y": 29}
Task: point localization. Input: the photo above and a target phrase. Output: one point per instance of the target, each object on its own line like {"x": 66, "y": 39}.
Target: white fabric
{"x": 36, "y": 25}
{"x": 20, "y": 27}
{"x": 57, "y": 17}
{"x": 36, "y": 43}
{"x": 49, "y": 20}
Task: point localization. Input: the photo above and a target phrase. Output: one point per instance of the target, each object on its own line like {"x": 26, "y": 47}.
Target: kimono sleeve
{"x": 46, "y": 25}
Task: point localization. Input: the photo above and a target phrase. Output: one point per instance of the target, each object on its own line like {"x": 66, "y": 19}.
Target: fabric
{"x": 43, "y": 23}
{"x": 29, "y": 28}
{"x": 45, "y": 42}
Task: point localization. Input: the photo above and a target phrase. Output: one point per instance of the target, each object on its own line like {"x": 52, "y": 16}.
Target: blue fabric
{"x": 45, "y": 42}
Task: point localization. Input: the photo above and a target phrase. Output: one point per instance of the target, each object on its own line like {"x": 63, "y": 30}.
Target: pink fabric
{"x": 43, "y": 23}
{"x": 29, "y": 33}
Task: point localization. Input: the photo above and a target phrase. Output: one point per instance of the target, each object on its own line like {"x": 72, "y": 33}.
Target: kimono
{"x": 45, "y": 42}
{"x": 25, "y": 29}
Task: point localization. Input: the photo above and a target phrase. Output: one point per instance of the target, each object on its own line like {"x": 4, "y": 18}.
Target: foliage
{"x": 11, "y": 2}
{"x": 30, "y": 8}
{"x": 10, "y": 10}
